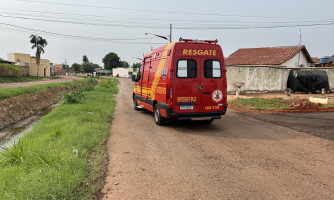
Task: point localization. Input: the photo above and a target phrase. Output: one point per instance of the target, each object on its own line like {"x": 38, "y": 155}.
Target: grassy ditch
{"x": 19, "y": 79}
{"x": 260, "y": 103}
{"x": 10, "y": 92}
{"x": 61, "y": 158}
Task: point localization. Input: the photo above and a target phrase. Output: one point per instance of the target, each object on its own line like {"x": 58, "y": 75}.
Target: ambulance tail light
{"x": 199, "y": 41}
{"x": 170, "y": 100}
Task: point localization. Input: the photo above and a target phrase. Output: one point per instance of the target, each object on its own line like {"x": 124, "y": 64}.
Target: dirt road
{"x": 237, "y": 157}
{"x": 31, "y": 83}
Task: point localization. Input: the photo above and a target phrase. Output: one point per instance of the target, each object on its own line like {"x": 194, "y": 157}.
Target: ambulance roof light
{"x": 199, "y": 41}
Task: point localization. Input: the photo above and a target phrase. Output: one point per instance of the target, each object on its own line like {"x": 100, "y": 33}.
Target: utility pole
{"x": 170, "y": 33}
{"x": 300, "y": 42}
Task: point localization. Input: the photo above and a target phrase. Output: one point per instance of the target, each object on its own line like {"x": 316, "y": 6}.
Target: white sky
{"x": 209, "y": 19}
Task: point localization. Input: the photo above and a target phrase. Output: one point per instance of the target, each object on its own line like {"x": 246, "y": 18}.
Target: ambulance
{"x": 185, "y": 80}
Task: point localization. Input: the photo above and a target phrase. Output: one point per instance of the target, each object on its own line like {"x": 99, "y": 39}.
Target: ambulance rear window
{"x": 212, "y": 69}
{"x": 186, "y": 68}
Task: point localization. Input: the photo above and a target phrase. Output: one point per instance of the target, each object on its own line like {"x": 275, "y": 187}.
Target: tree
{"x": 124, "y": 64}
{"x": 85, "y": 59}
{"x": 39, "y": 43}
{"x": 96, "y": 66}
{"x": 111, "y": 60}
{"x": 88, "y": 67}
{"x": 76, "y": 68}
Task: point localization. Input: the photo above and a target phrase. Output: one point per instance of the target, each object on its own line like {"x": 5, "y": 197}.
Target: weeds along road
{"x": 237, "y": 157}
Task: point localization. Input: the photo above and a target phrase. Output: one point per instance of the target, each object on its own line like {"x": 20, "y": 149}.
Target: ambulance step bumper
{"x": 212, "y": 115}
{"x": 199, "y": 118}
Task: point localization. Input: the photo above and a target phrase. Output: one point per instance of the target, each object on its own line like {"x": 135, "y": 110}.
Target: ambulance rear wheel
{"x": 157, "y": 116}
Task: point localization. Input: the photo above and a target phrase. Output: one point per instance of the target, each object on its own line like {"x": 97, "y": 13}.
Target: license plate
{"x": 186, "y": 107}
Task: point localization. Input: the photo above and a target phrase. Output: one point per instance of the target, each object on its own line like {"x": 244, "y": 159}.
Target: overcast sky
{"x": 74, "y": 28}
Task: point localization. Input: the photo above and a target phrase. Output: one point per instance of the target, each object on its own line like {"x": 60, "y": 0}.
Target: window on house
{"x": 186, "y": 68}
{"x": 212, "y": 69}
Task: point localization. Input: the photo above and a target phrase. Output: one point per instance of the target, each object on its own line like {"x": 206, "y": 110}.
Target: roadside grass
{"x": 62, "y": 157}
{"x": 19, "y": 79}
{"x": 260, "y": 103}
{"x": 10, "y": 92}
{"x": 326, "y": 106}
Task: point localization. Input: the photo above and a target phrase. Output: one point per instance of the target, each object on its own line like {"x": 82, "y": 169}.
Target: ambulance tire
{"x": 135, "y": 105}
{"x": 157, "y": 116}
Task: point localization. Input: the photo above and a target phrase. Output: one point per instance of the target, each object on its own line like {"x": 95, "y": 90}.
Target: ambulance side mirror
{"x": 134, "y": 78}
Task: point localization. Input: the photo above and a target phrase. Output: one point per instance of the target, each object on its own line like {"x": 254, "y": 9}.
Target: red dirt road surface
{"x": 238, "y": 157}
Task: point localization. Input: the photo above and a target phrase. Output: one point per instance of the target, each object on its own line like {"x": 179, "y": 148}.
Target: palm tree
{"x": 39, "y": 43}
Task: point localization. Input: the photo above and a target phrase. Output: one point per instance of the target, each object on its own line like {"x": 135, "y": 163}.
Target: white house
{"x": 121, "y": 72}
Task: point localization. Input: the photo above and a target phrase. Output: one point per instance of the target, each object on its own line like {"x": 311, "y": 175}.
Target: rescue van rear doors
{"x": 199, "y": 80}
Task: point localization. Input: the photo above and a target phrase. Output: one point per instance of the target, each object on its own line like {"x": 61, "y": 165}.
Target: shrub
{"x": 87, "y": 88}
{"x": 15, "y": 153}
{"x": 11, "y": 70}
{"x": 74, "y": 97}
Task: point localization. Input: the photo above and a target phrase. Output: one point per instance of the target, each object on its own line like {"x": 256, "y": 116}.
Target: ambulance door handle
{"x": 200, "y": 88}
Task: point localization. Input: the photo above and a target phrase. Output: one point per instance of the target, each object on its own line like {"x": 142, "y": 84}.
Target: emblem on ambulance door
{"x": 217, "y": 96}
{"x": 164, "y": 73}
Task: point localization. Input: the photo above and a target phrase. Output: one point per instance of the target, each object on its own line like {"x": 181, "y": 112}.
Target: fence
{"x": 265, "y": 78}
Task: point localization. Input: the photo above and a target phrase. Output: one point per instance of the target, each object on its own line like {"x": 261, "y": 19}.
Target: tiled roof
{"x": 265, "y": 55}
{"x": 315, "y": 59}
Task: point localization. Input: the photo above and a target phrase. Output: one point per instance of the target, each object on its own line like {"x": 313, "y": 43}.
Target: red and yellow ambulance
{"x": 183, "y": 80}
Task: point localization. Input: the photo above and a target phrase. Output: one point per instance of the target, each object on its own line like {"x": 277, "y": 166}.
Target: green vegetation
{"x": 9, "y": 92}
{"x": 76, "y": 68}
{"x": 74, "y": 97}
{"x": 260, "y": 103}
{"x": 111, "y": 60}
{"x": 13, "y": 70}
{"x": 326, "y": 106}
{"x": 89, "y": 67}
{"x": 77, "y": 96}
{"x": 62, "y": 157}
{"x": 19, "y": 79}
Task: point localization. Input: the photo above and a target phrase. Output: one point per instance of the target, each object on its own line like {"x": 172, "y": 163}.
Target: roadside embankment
{"x": 63, "y": 156}
{"x": 20, "y": 103}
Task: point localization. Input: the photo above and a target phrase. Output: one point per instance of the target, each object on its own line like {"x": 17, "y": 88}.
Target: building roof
{"x": 6, "y": 61}
{"x": 315, "y": 59}
{"x": 266, "y": 55}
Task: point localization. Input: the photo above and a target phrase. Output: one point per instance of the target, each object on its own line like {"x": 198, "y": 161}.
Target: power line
{"x": 84, "y": 23}
{"x": 78, "y": 36}
{"x": 217, "y": 27}
{"x": 48, "y": 14}
{"x": 155, "y": 11}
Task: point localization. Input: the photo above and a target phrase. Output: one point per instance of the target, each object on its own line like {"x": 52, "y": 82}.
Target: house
{"x": 289, "y": 56}
{"x": 120, "y": 72}
{"x": 326, "y": 61}
{"x": 25, "y": 60}
{"x": 59, "y": 69}
{"x": 102, "y": 72}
